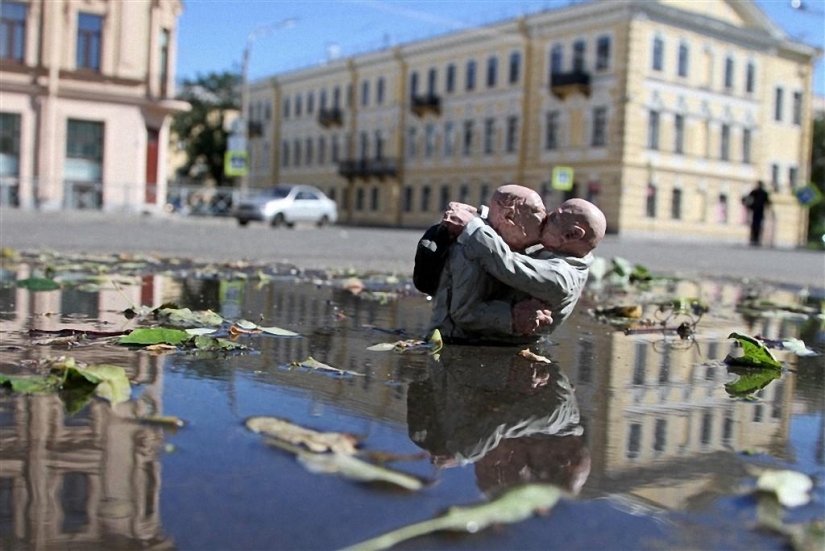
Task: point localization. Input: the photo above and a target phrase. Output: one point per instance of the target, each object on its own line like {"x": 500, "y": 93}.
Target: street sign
{"x": 235, "y": 163}
{"x": 563, "y": 178}
{"x": 808, "y": 196}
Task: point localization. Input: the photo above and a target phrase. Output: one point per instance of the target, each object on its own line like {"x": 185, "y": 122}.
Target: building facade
{"x": 86, "y": 94}
{"x": 667, "y": 112}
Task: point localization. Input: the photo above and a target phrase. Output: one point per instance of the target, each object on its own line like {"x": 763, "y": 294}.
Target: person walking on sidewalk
{"x": 757, "y": 201}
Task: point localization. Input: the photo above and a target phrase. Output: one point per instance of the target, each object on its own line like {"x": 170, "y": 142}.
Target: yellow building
{"x": 667, "y": 111}
{"x": 86, "y": 94}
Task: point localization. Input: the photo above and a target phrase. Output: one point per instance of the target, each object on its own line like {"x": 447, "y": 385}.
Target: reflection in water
{"x": 641, "y": 415}
{"x": 514, "y": 420}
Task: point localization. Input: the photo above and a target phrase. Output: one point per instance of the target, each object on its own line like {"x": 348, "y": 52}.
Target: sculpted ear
{"x": 575, "y": 233}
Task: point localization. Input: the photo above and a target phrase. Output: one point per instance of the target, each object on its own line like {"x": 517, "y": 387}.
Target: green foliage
{"x": 755, "y": 354}
{"x": 202, "y": 127}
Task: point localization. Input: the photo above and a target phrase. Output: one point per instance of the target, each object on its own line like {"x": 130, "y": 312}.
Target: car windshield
{"x": 278, "y": 192}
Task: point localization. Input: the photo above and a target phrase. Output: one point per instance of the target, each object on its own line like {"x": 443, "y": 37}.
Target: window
{"x": 679, "y": 134}
{"x": 489, "y": 135}
{"x": 603, "y": 53}
{"x": 336, "y": 149}
{"x": 89, "y": 29}
{"x": 492, "y": 72}
{"x": 777, "y": 104}
{"x": 298, "y": 108}
{"x": 363, "y": 145}
{"x": 284, "y": 153}
{"x": 411, "y": 137}
{"x": 728, "y": 73}
{"x": 775, "y": 177}
{"x": 379, "y": 91}
{"x": 464, "y": 194}
{"x": 707, "y": 428}
{"x": 650, "y": 201}
{"x": 379, "y": 145}
{"x": 449, "y": 139}
{"x": 359, "y": 199}
{"x": 310, "y": 102}
{"x": 408, "y": 198}
{"x": 653, "y": 130}
{"x": 676, "y": 204}
{"x": 425, "y": 199}
{"x": 484, "y": 194}
{"x": 336, "y": 97}
{"x": 432, "y": 81}
{"x": 468, "y": 138}
{"x": 9, "y": 144}
{"x": 512, "y": 134}
{"x": 722, "y": 213}
{"x": 660, "y": 435}
{"x": 297, "y": 152}
{"x": 551, "y": 130}
{"x": 413, "y": 85}
{"x": 684, "y": 58}
{"x": 658, "y": 53}
{"x": 429, "y": 140}
{"x": 793, "y": 176}
{"x": 599, "y": 138}
{"x": 515, "y": 67}
{"x": 163, "y": 62}
{"x": 323, "y": 100}
{"x": 444, "y": 198}
{"x": 365, "y": 93}
{"x": 84, "y": 151}
{"x": 724, "y": 145}
{"x": 797, "y": 108}
{"x": 310, "y": 154}
{"x": 349, "y": 95}
{"x": 12, "y": 31}
{"x": 322, "y": 150}
{"x": 750, "y": 76}
{"x": 634, "y": 441}
{"x": 556, "y": 59}
{"x": 374, "y": 198}
{"x": 640, "y": 363}
{"x": 471, "y": 76}
{"x": 450, "y": 86}
{"x": 746, "y": 145}
{"x": 579, "y": 52}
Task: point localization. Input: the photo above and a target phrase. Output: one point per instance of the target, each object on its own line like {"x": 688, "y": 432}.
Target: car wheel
{"x": 243, "y": 222}
{"x": 278, "y": 220}
{"x": 324, "y": 221}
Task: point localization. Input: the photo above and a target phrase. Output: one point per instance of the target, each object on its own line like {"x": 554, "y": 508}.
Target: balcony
{"x": 368, "y": 168}
{"x": 566, "y": 84}
{"x": 421, "y": 105}
{"x": 330, "y": 117}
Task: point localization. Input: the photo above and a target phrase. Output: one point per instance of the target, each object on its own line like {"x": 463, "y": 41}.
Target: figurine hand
{"x": 531, "y": 315}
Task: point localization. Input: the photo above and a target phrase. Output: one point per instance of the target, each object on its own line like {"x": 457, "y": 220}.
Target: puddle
{"x": 640, "y": 426}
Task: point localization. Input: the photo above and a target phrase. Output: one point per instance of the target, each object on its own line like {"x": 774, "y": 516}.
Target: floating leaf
{"x": 184, "y": 317}
{"x": 755, "y": 353}
{"x": 312, "y": 363}
{"x": 211, "y": 344}
{"x": 112, "y": 384}
{"x": 154, "y": 335}
{"x": 792, "y": 489}
{"x": 31, "y": 384}
{"x": 383, "y": 346}
{"x": 797, "y": 347}
{"x": 751, "y": 380}
{"x": 315, "y": 441}
{"x": 533, "y": 357}
{"x": 36, "y": 284}
{"x": 515, "y": 505}
{"x": 196, "y": 331}
{"x": 277, "y": 331}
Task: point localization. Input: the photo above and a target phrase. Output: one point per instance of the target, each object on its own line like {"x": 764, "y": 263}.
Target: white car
{"x": 286, "y": 204}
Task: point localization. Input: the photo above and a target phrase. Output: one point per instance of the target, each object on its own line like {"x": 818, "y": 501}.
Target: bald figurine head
{"x": 517, "y": 214}
{"x": 575, "y": 228}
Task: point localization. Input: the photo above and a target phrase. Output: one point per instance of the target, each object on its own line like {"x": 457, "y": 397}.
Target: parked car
{"x": 286, "y": 204}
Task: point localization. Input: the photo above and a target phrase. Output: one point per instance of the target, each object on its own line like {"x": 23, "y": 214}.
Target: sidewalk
{"x": 373, "y": 249}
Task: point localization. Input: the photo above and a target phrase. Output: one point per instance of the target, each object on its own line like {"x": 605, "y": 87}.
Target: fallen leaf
{"x": 312, "y": 363}
{"x": 515, "y": 505}
{"x": 314, "y": 441}
{"x": 154, "y": 335}
{"x": 755, "y": 353}
{"x": 533, "y": 357}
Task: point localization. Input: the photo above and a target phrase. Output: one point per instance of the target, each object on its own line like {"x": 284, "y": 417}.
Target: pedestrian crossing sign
{"x": 563, "y": 178}
{"x": 235, "y": 163}
{"x": 808, "y": 196}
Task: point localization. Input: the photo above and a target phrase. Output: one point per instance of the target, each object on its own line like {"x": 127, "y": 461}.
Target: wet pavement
{"x": 656, "y": 440}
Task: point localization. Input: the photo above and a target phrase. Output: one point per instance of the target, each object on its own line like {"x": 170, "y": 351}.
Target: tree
{"x": 816, "y": 220}
{"x": 201, "y": 129}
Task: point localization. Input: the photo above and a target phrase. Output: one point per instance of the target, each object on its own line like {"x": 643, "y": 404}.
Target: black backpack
{"x": 430, "y": 256}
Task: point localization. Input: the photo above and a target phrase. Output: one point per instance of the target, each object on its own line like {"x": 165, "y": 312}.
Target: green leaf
{"x": 515, "y": 505}
{"x": 751, "y": 380}
{"x": 113, "y": 385}
{"x": 154, "y": 335}
{"x": 277, "y": 331}
{"x": 36, "y": 284}
{"x": 184, "y": 317}
{"x": 31, "y": 384}
{"x": 755, "y": 353}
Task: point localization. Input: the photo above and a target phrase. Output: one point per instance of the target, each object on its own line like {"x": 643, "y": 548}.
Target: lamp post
{"x": 256, "y": 33}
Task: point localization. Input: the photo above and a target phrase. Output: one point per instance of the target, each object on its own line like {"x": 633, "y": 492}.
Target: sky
{"x": 213, "y": 34}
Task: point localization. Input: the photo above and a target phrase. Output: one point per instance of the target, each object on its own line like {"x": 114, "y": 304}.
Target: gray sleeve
{"x": 543, "y": 279}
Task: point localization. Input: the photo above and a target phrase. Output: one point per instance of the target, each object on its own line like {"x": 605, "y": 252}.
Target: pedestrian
{"x": 757, "y": 201}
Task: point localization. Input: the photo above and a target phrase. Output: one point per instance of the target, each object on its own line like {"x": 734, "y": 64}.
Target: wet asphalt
{"x": 388, "y": 250}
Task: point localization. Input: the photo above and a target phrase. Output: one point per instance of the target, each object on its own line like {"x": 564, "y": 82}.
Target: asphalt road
{"x": 364, "y": 249}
